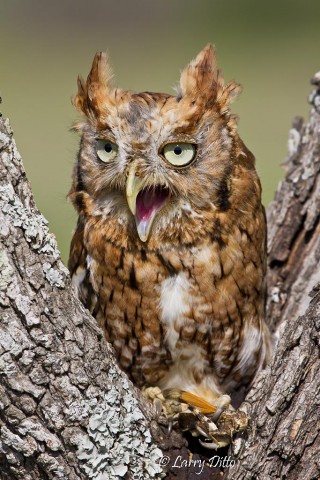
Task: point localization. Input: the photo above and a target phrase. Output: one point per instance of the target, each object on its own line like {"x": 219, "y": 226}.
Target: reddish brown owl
{"x": 170, "y": 247}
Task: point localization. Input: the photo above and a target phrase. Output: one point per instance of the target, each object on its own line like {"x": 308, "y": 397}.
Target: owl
{"x": 169, "y": 252}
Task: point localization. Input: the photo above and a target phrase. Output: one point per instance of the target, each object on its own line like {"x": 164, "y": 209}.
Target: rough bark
{"x": 63, "y": 401}
{"x": 293, "y": 221}
{"x": 284, "y": 440}
{"x": 67, "y": 411}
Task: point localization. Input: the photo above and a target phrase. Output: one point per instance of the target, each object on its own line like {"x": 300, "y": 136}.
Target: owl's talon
{"x": 201, "y": 431}
{"x": 229, "y": 423}
{"x": 219, "y": 434}
{"x": 158, "y": 407}
{"x": 153, "y": 393}
{"x": 215, "y": 422}
{"x": 210, "y": 445}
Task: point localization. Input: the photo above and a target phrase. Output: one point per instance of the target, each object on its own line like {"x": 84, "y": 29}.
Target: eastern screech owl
{"x": 169, "y": 252}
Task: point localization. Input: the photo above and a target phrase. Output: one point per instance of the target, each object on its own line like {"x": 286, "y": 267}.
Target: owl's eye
{"x": 106, "y": 150}
{"x": 179, "y": 154}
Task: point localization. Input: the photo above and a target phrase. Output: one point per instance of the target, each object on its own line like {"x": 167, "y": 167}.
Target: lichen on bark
{"x": 66, "y": 410}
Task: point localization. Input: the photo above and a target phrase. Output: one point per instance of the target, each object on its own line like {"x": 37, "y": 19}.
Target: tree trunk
{"x": 284, "y": 438}
{"x": 67, "y": 411}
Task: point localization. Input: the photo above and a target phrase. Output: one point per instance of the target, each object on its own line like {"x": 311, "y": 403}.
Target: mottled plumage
{"x": 171, "y": 258}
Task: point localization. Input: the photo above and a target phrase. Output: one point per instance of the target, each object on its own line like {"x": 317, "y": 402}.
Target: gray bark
{"x": 67, "y": 411}
{"x": 284, "y": 437}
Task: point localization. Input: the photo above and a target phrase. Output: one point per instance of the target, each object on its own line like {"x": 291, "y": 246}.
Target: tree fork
{"x": 66, "y": 409}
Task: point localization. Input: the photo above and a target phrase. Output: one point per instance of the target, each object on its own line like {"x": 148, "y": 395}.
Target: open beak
{"x": 133, "y": 187}
{"x": 144, "y": 203}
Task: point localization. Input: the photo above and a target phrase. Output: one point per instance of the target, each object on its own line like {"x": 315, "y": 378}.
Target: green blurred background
{"x": 272, "y": 48}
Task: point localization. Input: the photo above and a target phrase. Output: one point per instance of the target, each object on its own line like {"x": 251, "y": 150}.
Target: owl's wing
{"x": 80, "y": 274}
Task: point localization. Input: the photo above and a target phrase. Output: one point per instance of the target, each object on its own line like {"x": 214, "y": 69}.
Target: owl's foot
{"x": 156, "y": 396}
{"x": 219, "y": 433}
{"x": 216, "y": 423}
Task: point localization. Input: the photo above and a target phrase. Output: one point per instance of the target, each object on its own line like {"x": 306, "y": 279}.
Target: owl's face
{"x": 152, "y": 161}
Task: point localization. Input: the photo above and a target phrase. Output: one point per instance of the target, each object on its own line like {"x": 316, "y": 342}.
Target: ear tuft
{"x": 201, "y": 78}
{"x": 78, "y": 100}
{"x": 92, "y": 92}
{"x": 200, "y": 74}
{"x": 228, "y": 94}
{"x": 100, "y": 75}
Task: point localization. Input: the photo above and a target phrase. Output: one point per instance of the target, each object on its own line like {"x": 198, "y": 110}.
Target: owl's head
{"x": 152, "y": 165}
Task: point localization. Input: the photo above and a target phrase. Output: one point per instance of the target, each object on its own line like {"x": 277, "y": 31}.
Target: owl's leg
{"x": 216, "y": 422}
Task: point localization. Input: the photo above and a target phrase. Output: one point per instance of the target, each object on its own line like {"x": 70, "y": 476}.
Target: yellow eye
{"x": 106, "y": 150}
{"x": 179, "y": 154}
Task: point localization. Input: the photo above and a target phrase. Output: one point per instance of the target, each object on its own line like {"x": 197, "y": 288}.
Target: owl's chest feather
{"x": 154, "y": 305}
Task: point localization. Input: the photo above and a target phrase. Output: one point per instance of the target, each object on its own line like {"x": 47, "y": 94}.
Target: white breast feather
{"x": 251, "y": 343}
{"x": 175, "y": 302}
{"x": 77, "y": 278}
{"x": 173, "y": 305}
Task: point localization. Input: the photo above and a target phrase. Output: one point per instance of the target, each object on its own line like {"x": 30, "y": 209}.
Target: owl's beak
{"x": 144, "y": 203}
{"x": 133, "y": 187}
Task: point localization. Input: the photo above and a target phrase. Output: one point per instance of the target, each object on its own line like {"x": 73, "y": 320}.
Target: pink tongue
{"x": 150, "y": 200}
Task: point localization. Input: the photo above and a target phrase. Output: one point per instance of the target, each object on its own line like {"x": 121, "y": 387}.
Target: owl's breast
{"x": 145, "y": 306}
{"x": 127, "y": 286}
{"x": 185, "y": 308}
